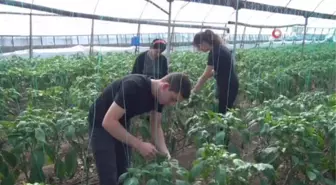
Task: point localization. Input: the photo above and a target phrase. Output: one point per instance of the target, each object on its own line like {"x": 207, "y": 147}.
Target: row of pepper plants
{"x": 45, "y": 104}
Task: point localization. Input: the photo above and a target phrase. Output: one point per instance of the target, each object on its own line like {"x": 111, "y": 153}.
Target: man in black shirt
{"x": 110, "y": 115}
{"x": 152, "y": 63}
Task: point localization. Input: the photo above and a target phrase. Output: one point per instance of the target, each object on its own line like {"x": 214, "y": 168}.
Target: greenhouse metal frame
{"x": 59, "y": 56}
{"x": 235, "y": 4}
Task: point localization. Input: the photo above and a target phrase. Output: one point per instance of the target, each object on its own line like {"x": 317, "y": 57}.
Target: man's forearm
{"x": 120, "y": 133}
{"x": 159, "y": 140}
{"x": 157, "y": 132}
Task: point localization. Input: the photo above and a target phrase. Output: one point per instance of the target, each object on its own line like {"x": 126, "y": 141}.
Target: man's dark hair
{"x": 179, "y": 83}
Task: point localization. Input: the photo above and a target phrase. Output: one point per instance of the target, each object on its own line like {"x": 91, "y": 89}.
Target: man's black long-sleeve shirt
{"x": 155, "y": 68}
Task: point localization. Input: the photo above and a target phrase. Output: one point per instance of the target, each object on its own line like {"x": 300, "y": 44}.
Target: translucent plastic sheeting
{"x": 134, "y": 9}
{"x": 182, "y": 12}
{"x": 319, "y": 6}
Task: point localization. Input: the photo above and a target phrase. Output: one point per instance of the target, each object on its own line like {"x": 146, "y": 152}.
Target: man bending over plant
{"x": 110, "y": 115}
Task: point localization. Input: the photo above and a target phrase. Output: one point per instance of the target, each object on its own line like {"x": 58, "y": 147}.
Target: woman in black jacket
{"x": 151, "y": 62}
{"x": 220, "y": 65}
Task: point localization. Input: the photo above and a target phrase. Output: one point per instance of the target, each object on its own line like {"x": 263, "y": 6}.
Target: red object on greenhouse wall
{"x": 276, "y": 33}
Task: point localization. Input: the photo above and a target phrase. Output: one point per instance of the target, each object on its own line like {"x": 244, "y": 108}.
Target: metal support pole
{"x": 243, "y": 39}
{"x": 92, "y": 38}
{"x": 224, "y": 33}
{"x": 313, "y": 38}
{"x": 235, "y": 33}
{"x": 304, "y": 33}
{"x": 258, "y": 39}
{"x": 329, "y": 30}
{"x": 137, "y": 49}
{"x": 172, "y": 36}
{"x": 284, "y": 37}
{"x": 30, "y": 35}
{"x": 169, "y": 25}
{"x": 319, "y": 39}
{"x": 270, "y": 43}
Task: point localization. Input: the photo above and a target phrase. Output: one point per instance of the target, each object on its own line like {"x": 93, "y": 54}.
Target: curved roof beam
{"x": 98, "y": 17}
{"x": 266, "y": 8}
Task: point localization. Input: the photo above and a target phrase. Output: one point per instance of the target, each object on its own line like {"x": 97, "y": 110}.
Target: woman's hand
{"x": 208, "y": 73}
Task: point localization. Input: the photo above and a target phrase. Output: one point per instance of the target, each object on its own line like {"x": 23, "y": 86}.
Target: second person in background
{"x": 151, "y": 62}
{"x": 220, "y": 65}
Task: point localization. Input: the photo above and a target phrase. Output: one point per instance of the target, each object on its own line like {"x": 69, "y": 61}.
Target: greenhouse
{"x": 233, "y": 92}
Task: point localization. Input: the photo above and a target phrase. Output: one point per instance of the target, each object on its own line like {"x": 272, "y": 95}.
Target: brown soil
{"x": 186, "y": 157}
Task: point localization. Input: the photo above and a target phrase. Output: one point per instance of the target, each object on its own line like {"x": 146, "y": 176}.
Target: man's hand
{"x": 193, "y": 91}
{"x": 147, "y": 150}
{"x": 193, "y": 94}
{"x": 166, "y": 154}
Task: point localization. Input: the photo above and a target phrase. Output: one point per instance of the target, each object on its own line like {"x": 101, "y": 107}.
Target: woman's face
{"x": 155, "y": 53}
{"x": 204, "y": 47}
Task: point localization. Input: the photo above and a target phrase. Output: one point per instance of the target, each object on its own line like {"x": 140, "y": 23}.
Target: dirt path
{"x": 186, "y": 157}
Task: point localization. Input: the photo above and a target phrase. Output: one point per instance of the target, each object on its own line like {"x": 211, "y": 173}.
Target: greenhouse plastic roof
{"x": 183, "y": 12}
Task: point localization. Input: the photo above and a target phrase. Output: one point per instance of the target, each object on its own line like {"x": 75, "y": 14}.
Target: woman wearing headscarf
{"x": 152, "y": 62}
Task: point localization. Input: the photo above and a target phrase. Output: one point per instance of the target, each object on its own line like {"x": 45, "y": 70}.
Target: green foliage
{"x": 161, "y": 171}
{"x": 45, "y": 104}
